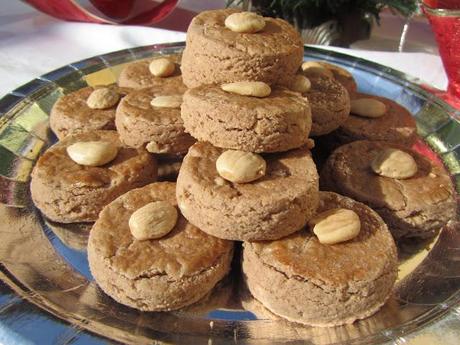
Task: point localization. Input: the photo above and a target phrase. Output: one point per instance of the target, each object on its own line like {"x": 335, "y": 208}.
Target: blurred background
{"x": 37, "y": 36}
{"x": 388, "y": 25}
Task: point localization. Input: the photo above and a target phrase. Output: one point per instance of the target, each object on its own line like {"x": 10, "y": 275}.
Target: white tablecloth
{"x": 32, "y": 44}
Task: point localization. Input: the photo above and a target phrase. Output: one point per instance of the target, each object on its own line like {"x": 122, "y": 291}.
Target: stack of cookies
{"x": 235, "y": 113}
{"x": 250, "y": 177}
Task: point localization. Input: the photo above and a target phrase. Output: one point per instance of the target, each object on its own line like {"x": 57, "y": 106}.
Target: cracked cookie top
{"x": 363, "y": 259}
{"x": 185, "y": 251}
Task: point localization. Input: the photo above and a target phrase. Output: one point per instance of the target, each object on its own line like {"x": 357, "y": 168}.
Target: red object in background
{"x": 121, "y": 10}
{"x": 447, "y": 4}
{"x": 133, "y": 12}
{"x": 446, "y": 27}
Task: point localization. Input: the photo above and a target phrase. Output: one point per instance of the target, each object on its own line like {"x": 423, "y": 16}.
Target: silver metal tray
{"x": 56, "y": 301}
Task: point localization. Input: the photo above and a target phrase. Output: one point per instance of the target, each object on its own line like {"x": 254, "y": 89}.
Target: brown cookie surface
{"x": 274, "y": 206}
{"x": 414, "y": 207}
{"x": 72, "y": 114}
{"x": 214, "y": 54}
{"x": 330, "y": 104}
{"x": 139, "y": 123}
{"x": 305, "y": 281}
{"x": 154, "y": 275}
{"x": 68, "y": 192}
{"x": 342, "y": 76}
{"x": 278, "y": 122}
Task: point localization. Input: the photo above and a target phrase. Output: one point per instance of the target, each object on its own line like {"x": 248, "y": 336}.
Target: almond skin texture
{"x": 102, "y": 98}
{"x": 240, "y": 167}
{"x": 394, "y": 163}
{"x": 152, "y": 221}
{"x": 245, "y": 22}
{"x": 92, "y": 153}
{"x": 336, "y": 225}
{"x": 248, "y": 88}
{"x": 368, "y": 107}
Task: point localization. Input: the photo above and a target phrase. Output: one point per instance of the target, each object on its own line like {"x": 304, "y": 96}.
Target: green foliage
{"x": 316, "y": 11}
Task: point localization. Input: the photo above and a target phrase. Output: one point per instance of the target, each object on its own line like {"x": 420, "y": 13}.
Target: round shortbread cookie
{"x": 274, "y": 206}
{"x": 159, "y": 129}
{"x": 329, "y": 103}
{"x": 278, "y": 122}
{"x": 168, "y": 273}
{"x": 71, "y": 113}
{"x": 397, "y": 125}
{"x": 137, "y": 75}
{"x": 305, "y": 281}
{"x": 418, "y": 206}
{"x": 68, "y": 192}
{"x": 214, "y": 54}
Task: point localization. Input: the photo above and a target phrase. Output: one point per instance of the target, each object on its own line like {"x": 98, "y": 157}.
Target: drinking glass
{"x": 444, "y": 18}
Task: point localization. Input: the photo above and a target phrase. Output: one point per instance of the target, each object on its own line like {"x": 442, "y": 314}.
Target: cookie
{"x": 341, "y": 75}
{"x": 214, "y": 54}
{"x": 160, "y": 129}
{"x": 329, "y": 103}
{"x": 154, "y": 275}
{"x": 271, "y": 207}
{"x": 71, "y": 113}
{"x": 137, "y": 75}
{"x": 413, "y": 207}
{"x": 278, "y": 122}
{"x": 397, "y": 125}
{"x": 218, "y": 298}
{"x": 68, "y": 192}
{"x": 304, "y": 281}
{"x": 388, "y": 316}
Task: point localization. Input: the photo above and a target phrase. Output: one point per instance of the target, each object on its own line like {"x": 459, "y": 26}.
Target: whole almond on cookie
{"x": 240, "y": 167}
{"x": 154, "y": 147}
{"x": 245, "y": 22}
{"x": 92, "y": 153}
{"x": 162, "y": 67}
{"x": 152, "y": 221}
{"x": 171, "y": 101}
{"x": 102, "y": 98}
{"x": 248, "y": 88}
{"x": 368, "y": 107}
{"x": 314, "y": 68}
{"x": 335, "y": 225}
{"x": 394, "y": 163}
{"x": 301, "y": 84}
